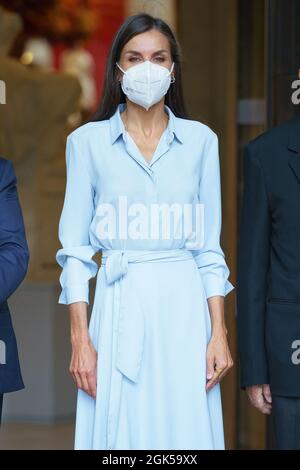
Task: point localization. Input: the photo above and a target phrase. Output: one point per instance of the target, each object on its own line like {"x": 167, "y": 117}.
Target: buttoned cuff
{"x": 216, "y": 285}
{"x": 74, "y": 293}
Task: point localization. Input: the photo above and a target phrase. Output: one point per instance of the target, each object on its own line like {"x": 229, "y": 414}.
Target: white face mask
{"x": 145, "y": 84}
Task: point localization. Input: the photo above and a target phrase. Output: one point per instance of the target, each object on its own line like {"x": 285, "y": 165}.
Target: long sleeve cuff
{"x": 78, "y": 268}
{"x": 214, "y": 273}
{"x": 74, "y": 293}
{"x": 214, "y": 284}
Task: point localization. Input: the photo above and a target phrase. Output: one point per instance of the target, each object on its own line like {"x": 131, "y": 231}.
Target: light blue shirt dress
{"x": 150, "y": 322}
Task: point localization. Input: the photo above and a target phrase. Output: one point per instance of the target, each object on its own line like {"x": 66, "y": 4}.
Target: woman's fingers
{"x": 221, "y": 367}
{"x": 226, "y": 368}
{"x": 210, "y": 383}
{"x": 210, "y": 371}
{"x": 84, "y": 381}
{"x": 210, "y": 366}
{"x": 77, "y": 379}
{"x": 215, "y": 379}
{"x": 92, "y": 383}
{"x": 83, "y": 369}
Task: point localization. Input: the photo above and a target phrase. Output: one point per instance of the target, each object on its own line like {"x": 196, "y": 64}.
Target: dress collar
{"x": 117, "y": 127}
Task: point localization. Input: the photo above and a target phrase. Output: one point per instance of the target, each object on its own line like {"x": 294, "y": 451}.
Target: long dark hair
{"x": 112, "y": 94}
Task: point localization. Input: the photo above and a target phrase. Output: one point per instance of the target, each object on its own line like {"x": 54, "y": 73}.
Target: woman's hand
{"x": 218, "y": 357}
{"x": 83, "y": 365}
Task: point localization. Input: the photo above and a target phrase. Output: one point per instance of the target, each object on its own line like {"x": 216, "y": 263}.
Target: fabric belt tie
{"x": 128, "y": 318}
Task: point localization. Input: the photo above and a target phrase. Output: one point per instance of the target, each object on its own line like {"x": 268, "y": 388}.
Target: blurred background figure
{"x": 11, "y": 25}
{"x": 239, "y": 62}
{"x": 79, "y": 62}
{"x": 37, "y": 53}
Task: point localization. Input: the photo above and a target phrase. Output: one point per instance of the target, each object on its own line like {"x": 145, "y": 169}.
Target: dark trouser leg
{"x": 286, "y": 422}
{"x": 1, "y": 403}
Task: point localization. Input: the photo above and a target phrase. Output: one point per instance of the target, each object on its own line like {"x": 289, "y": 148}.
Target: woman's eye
{"x": 160, "y": 59}
{"x": 134, "y": 59}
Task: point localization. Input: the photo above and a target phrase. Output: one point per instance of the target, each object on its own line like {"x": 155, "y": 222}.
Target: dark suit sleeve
{"x": 252, "y": 276}
{"x": 14, "y": 254}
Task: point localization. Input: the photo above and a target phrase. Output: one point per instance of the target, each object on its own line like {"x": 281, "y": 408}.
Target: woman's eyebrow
{"x": 133, "y": 52}
{"x": 161, "y": 51}
{"x": 140, "y": 53}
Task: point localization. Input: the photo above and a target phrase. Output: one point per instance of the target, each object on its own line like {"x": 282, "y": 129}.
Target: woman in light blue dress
{"x": 143, "y": 188}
